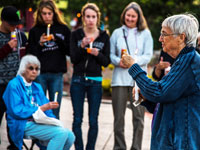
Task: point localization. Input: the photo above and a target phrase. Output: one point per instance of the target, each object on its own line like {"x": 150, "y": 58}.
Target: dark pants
{"x": 79, "y": 88}
{"x": 120, "y": 96}
{"x": 2, "y": 110}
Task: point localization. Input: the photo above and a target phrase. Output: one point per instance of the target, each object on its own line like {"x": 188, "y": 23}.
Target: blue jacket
{"x": 176, "y": 125}
{"x": 19, "y": 107}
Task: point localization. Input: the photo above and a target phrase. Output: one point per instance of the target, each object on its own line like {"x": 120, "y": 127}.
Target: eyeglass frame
{"x": 165, "y": 34}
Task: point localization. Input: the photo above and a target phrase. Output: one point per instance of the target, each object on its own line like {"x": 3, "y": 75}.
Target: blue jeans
{"x": 53, "y": 82}
{"x": 93, "y": 89}
{"x": 58, "y": 138}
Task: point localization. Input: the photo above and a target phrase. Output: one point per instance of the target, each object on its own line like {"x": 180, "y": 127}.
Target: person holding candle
{"x": 11, "y": 51}
{"x": 135, "y": 37}
{"x": 176, "y": 124}
{"x": 26, "y": 103}
{"x": 49, "y": 41}
{"x": 89, "y": 51}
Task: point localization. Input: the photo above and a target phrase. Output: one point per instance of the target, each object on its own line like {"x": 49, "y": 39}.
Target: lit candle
{"x": 91, "y": 43}
{"x": 48, "y": 29}
{"x": 56, "y": 97}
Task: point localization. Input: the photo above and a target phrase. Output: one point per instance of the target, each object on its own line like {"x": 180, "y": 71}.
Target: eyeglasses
{"x": 31, "y": 68}
{"x": 165, "y": 34}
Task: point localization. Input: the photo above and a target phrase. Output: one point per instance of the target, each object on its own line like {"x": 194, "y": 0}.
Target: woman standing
{"x": 49, "y": 41}
{"x": 89, "y": 50}
{"x": 135, "y": 37}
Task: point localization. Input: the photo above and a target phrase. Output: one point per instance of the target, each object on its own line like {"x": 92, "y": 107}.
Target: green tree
{"x": 154, "y": 11}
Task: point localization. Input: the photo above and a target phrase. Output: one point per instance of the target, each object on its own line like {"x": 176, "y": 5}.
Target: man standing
{"x": 9, "y": 52}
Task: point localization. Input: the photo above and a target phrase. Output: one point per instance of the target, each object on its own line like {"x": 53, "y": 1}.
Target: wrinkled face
{"x": 90, "y": 18}
{"x": 31, "y": 72}
{"x": 169, "y": 40}
{"x": 47, "y": 16}
{"x": 131, "y": 18}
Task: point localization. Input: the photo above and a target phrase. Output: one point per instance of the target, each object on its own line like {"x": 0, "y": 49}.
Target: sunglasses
{"x": 33, "y": 68}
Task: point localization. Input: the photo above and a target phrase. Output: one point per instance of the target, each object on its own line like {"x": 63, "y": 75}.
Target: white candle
{"x": 48, "y": 29}
{"x": 136, "y": 102}
{"x": 91, "y": 45}
{"x": 136, "y": 92}
{"x": 56, "y": 97}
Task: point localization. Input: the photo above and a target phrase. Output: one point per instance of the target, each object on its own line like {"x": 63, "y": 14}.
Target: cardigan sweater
{"x": 176, "y": 126}
{"x": 19, "y": 107}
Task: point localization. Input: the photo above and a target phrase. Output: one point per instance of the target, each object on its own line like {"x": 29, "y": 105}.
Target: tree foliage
{"x": 20, "y": 4}
{"x": 155, "y": 11}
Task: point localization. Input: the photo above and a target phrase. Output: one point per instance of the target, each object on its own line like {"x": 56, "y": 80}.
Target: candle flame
{"x": 49, "y": 25}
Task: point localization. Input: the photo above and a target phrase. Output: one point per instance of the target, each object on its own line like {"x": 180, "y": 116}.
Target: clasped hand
{"x": 127, "y": 60}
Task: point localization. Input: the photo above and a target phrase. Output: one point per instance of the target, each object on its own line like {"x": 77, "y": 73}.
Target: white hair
{"x": 184, "y": 23}
{"x": 26, "y": 60}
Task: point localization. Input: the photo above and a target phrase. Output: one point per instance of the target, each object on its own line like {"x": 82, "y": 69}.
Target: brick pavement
{"x": 105, "y": 135}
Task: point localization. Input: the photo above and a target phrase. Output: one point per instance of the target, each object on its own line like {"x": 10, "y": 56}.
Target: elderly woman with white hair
{"x": 24, "y": 99}
{"x": 176, "y": 125}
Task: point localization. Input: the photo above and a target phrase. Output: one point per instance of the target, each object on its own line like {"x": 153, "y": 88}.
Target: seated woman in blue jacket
{"x": 25, "y": 102}
{"x": 176, "y": 124}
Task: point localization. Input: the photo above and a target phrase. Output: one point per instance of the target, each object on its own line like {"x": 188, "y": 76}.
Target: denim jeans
{"x": 58, "y": 138}
{"x": 93, "y": 89}
{"x": 53, "y": 82}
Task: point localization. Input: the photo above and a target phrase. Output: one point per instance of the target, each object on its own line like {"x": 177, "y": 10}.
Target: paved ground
{"x": 105, "y": 136}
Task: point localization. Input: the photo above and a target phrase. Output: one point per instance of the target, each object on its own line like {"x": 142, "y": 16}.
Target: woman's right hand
{"x": 50, "y": 105}
{"x": 85, "y": 41}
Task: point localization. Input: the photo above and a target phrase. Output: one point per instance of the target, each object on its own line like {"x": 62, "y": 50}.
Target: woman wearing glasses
{"x": 176, "y": 125}
{"x": 49, "y": 41}
{"x": 135, "y": 37}
{"x": 25, "y": 102}
{"x": 89, "y": 51}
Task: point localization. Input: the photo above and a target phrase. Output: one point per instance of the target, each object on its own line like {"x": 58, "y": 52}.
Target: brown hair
{"x": 50, "y": 4}
{"x": 141, "y": 22}
{"x": 94, "y": 7}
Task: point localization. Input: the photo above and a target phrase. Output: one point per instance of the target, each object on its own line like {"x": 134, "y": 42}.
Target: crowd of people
{"x": 29, "y": 68}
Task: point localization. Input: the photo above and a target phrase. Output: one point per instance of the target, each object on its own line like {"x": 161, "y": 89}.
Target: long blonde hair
{"x": 94, "y": 7}
{"x": 50, "y": 4}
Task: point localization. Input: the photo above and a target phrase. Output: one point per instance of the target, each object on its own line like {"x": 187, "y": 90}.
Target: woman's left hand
{"x": 127, "y": 60}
